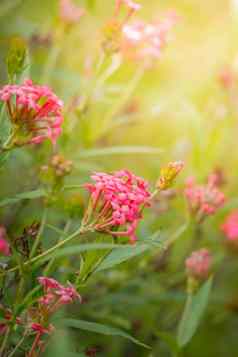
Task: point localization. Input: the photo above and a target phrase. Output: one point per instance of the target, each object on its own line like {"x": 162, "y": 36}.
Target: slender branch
{"x": 18, "y": 344}
{"x": 51, "y": 262}
{"x": 38, "y": 237}
{"x": 4, "y": 342}
{"x": 124, "y": 98}
{"x": 60, "y": 244}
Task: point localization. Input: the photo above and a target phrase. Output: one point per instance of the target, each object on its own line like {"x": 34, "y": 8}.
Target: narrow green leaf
{"x": 121, "y": 255}
{"x": 170, "y": 341}
{"x": 77, "y": 249}
{"x": 30, "y": 195}
{"x": 193, "y": 313}
{"x": 3, "y": 158}
{"x": 120, "y": 150}
{"x": 101, "y": 329}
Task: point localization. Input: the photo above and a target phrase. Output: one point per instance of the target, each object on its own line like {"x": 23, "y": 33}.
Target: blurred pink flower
{"x": 116, "y": 201}
{"x": 230, "y": 227}
{"x": 69, "y": 12}
{"x": 203, "y": 200}
{"x": 48, "y": 283}
{"x": 131, "y": 5}
{"x": 146, "y": 40}
{"x": 227, "y": 77}
{"x": 35, "y": 112}
{"x": 199, "y": 264}
{"x": 39, "y": 328}
{"x": 4, "y": 245}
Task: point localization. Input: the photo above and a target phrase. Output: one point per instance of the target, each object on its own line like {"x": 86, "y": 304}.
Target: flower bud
{"x": 199, "y": 264}
{"x": 4, "y": 245}
{"x": 16, "y": 57}
{"x": 168, "y": 174}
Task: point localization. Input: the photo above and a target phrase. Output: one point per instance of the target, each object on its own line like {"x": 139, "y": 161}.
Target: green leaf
{"x": 193, "y": 313}
{"x": 7, "y": 6}
{"x": 90, "y": 4}
{"x": 170, "y": 341}
{"x": 102, "y": 329}
{"x": 77, "y": 249}
{"x": 121, "y": 255}
{"x": 3, "y": 157}
{"x": 30, "y": 195}
{"x": 120, "y": 150}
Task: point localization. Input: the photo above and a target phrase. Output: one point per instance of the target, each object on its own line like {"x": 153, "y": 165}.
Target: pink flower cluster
{"x": 35, "y": 112}
{"x": 117, "y": 200}
{"x": 69, "y": 12}
{"x": 4, "y": 245}
{"x": 230, "y": 228}
{"x": 56, "y": 294}
{"x": 146, "y": 40}
{"x": 199, "y": 264}
{"x": 203, "y": 200}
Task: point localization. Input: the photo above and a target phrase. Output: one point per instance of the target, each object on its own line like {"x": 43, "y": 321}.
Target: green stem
{"x": 51, "y": 262}
{"x": 4, "y": 342}
{"x": 18, "y": 344}
{"x": 41, "y": 229}
{"x": 50, "y": 64}
{"x": 80, "y": 231}
{"x": 93, "y": 269}
{"x": 125, "y": 97}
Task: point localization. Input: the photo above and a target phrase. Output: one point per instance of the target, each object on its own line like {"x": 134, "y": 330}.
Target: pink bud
{"x": 4, "y": 245}
{"x": 199, "y": 264}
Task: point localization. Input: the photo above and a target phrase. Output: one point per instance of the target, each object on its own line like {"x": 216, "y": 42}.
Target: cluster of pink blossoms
{"x": 203, "y": 200}
{"x": 199, "y": 264}
{"x": 4, "y": 245}
{"x": 230, "y": 228}
{"x": 55, "y": 294}
{"x": 117, "y": 201}
{"x": 35, "y": 112}
{"x": 146, "y": 40}
{"x": 69, "y": 12}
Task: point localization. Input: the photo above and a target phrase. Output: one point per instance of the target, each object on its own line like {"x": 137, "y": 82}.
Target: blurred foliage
{"x": 176, "y": 110}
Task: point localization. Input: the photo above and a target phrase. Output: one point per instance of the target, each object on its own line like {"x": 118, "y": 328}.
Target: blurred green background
{"x": 177, "y": 111}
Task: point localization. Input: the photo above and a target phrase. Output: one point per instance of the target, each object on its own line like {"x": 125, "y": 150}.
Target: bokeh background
{"x": 178, "y": 110}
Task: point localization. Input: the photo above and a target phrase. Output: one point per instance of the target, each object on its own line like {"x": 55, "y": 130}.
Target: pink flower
{"x": 69, "y": 12}
{"x": 146, "y": 40}
{"x": 227, "y": 77}
{"x": 39, "y": 328}
{"x": 56, "y": 294}
{"x": 4, "y": 245}
{"x": 35, "y": 112}
{"x": 48, "y": 283}
{"x": 230, "y": 227}
{"x": 199, "y": 264}
{"x": 117, "y": 200}
{"x": 203, "y": 200}
{"x": 67, "y": 294}
{"x": 131, "y": 5}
